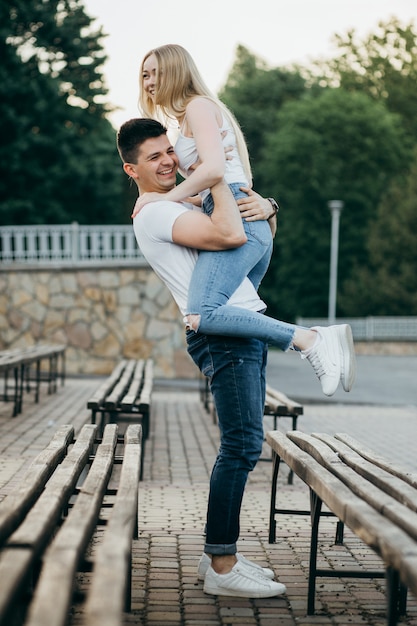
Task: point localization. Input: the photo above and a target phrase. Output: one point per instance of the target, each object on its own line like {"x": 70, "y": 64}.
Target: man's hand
{"x": 254, "y": 207}
{"x": 144, "y": 199}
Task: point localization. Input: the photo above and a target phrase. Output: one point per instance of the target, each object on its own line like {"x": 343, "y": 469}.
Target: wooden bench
{"x": 48, "y": 529}
{"x": 278, "y": 405}
{"x": 376, "y": 499}
{"x": 38, "y": 363}
{"x": 125, "y": 395}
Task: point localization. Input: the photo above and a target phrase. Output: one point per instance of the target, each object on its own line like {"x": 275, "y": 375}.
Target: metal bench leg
{"x": 63, "y": 371}
{"x": 272, "y": 521}
{"x": 142, "y": 459}
{"x": 340, "y": 529}
{"x": 145, "y": 424}
{"x": 396, "y": 596}
{"x": 128, "y": 596}
{"x": 402, "y": 601}
{"x": 312, "y": 574}
{"x": 18, "y": 374}
{"x": 20, "y": 384}
{"x": 53, "y": 368}
{"x": 393, "y": 584}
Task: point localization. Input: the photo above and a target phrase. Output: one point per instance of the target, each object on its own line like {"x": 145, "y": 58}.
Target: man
{"x": 168, "y": 234}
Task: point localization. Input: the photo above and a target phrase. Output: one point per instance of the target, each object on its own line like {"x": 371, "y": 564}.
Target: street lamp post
{"x": 335, "y": 207}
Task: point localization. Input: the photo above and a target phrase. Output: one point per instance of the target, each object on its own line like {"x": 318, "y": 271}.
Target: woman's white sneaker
{"x": 333, "y": 357}
{"x": 205, "y": 563}
{"x": 240, "y": 582}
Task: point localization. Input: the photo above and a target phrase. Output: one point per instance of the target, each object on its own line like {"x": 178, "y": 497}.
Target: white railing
{"x": 379, "y": 328}
{"x": 75, "y": 244}
{"x": 69, "y": 244}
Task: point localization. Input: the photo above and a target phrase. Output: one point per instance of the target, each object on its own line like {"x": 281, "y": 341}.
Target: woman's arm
{"x": 203, "y": 122}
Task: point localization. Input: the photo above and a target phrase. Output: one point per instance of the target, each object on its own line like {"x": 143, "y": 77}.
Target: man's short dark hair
{"x": 133, "y": 133}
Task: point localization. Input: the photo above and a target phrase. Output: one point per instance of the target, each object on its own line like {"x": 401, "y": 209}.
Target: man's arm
{"x": 220, "y": 231}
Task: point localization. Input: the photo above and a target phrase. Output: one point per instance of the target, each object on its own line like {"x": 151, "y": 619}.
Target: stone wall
{"x": 102, "y": 314}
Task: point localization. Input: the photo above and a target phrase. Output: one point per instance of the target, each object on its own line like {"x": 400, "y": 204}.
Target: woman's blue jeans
{"x": 236, "y": 369}
{"x": 216, "y": 277}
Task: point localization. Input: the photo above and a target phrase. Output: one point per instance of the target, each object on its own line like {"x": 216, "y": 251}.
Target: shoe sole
{"x": 348, "y": 373}
{"x": 242, "y": 594}
{"x": 201, "y": 577}
{"x": 259, "y": 571}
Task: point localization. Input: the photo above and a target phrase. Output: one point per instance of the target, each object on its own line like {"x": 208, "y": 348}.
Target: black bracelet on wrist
{"x": 275, "y": 206}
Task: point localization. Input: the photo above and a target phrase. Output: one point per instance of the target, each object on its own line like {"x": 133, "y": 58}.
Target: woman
{"x": 172, "y": 88}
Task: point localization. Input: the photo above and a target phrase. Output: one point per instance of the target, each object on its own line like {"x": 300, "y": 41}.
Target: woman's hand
{"x": 254, "y": 207}
{"x": 153, "y": 196}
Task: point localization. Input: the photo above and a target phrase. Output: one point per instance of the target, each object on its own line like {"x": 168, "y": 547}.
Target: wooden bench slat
{"x": 276, "y": 399}
{"x": 113, "y": 398}
{"x": 14, "y": 508}
{"x": 376, "y": 459}
{"x": 67, "y": 548}
{"x": 30, "y": 353}
{"x": 132, "y": 392}
{"x": 378, "y": 477}
{"x": 145, "y": 396}
{"x": 109, "y": 586}
{"x": 97, "y": 399}
{"x": 26, "y": 543}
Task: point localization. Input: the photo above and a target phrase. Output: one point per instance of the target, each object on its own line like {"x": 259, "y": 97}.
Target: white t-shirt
{"x": 174, "y": 264}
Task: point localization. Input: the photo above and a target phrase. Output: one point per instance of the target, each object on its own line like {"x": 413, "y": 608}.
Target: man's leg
{"x": 236, "y": 368}
{"x": 237, "y": 383}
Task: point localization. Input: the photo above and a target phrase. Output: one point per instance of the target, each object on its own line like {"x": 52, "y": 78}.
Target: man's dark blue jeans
{"x": 236, "y": 369}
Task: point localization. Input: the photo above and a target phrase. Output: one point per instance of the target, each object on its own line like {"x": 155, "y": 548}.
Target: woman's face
{"x": 149, "y": 76}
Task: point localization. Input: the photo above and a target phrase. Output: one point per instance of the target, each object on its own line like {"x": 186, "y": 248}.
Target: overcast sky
{"x": 278, "y": 31}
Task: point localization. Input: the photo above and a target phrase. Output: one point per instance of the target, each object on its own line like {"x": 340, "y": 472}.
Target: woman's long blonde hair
{"x": 178, "y": 82}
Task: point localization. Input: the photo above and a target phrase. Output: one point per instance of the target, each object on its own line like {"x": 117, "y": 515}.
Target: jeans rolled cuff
{"x": 220, "y": 549}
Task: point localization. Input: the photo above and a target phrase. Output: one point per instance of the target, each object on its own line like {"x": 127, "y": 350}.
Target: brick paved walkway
{"x": 173, "y": 494}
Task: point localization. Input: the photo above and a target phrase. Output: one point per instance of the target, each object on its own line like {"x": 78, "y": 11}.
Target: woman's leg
{"x": 217, "y": 275}
{"x": 215, "y": 278}
{"x": 253, "y": 258}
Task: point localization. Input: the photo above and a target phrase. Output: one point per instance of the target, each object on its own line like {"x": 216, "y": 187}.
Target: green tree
{"x": 255, "y": 93}
{"x": 58, "y": 158}
{"x": 336, "y": 145}
{"x": 388, "y": 284}
{"x": 383, "y": 64}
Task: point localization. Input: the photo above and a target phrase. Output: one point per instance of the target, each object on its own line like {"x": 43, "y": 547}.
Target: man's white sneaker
{"x": 331, "y": 356}
{"x": 241, "y": 583}
{"x": 205, "y": 563}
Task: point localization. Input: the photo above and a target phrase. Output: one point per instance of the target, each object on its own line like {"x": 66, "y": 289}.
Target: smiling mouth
{"x": 167, "y": 172}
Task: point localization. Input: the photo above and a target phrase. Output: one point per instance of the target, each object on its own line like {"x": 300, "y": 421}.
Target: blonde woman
{"x": 171, "y": 88}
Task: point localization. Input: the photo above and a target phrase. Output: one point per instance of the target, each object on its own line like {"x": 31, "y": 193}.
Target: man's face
{"x": 156, "y": 167}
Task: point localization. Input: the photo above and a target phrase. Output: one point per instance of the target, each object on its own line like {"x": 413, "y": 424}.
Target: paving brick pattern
{"x": 172, "y": 500}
